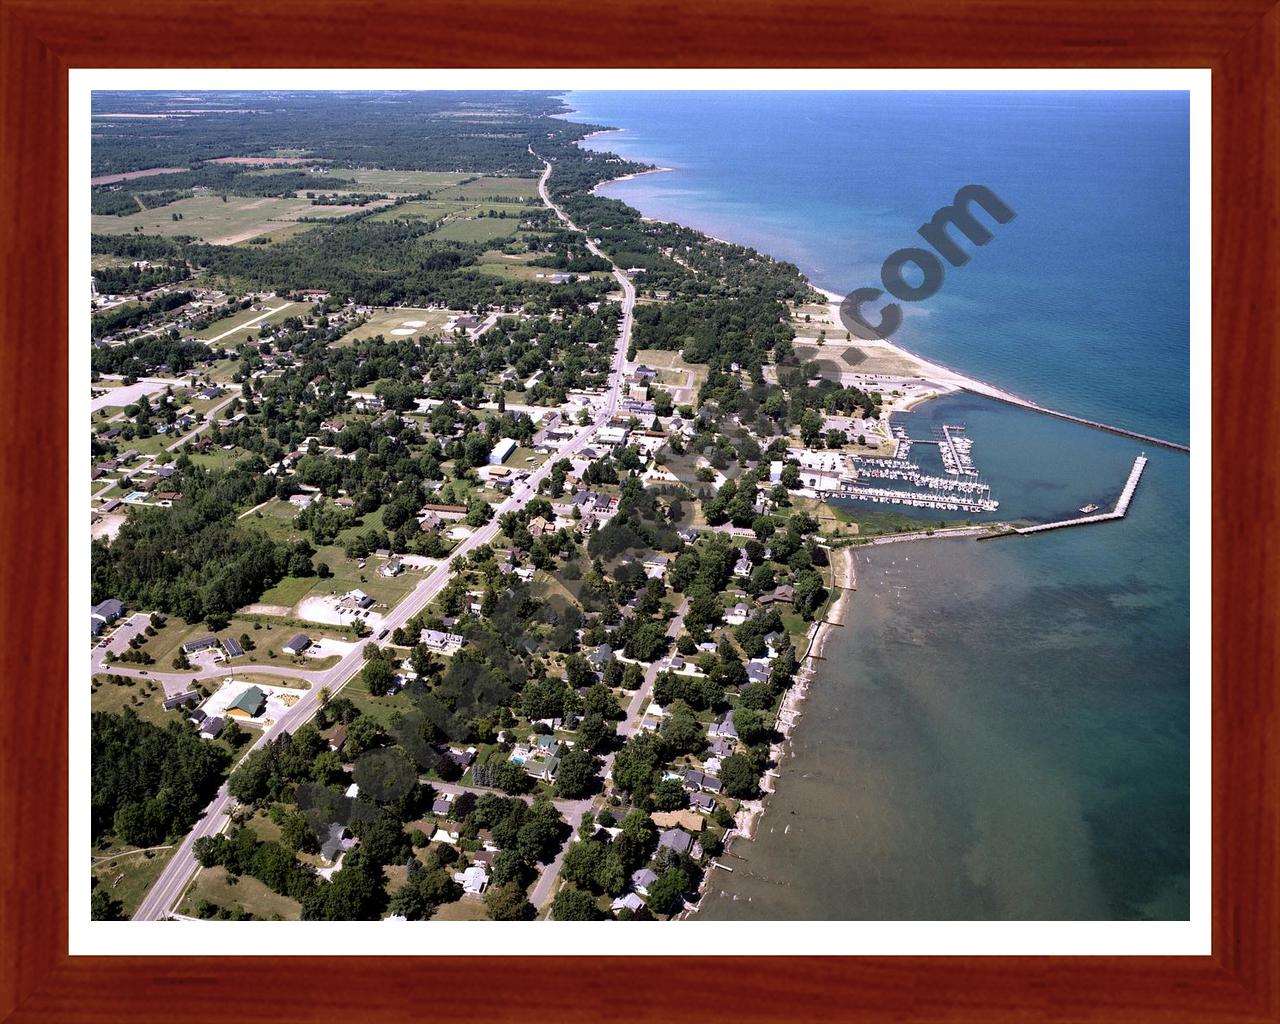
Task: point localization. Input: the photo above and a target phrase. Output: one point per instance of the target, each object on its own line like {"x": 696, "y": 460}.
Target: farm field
{"x": 493, "y": 188}
{"x": 429, "y": 210}
{"x": 209, "y": 219}
{"x": 403, "y": 182}
{"x": 477, "y": 229}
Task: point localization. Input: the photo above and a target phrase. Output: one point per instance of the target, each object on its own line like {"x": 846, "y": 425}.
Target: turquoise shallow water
{"x": 1001, "y": 730}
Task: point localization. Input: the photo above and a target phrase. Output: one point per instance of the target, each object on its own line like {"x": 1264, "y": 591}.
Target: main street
{"x": 168, "y": 888}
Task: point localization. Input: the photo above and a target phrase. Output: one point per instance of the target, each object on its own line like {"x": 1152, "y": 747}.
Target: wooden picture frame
{"x": 1238, "y": 39}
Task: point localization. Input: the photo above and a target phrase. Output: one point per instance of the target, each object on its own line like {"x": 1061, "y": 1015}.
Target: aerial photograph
{"x": 543, "y": 505}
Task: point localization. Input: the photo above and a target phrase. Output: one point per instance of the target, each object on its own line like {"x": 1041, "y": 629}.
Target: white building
{"x": 502, "y": 451}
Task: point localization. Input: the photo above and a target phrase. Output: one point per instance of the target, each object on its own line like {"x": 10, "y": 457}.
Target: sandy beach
{"x": 933, "y": 371}
{"x": 628, "y": 177}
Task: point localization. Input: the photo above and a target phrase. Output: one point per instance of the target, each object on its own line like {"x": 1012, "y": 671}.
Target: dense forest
{"x": 193, "y": 559}
{"x": 486, "y": 132}
{"x": 149, "y": 783}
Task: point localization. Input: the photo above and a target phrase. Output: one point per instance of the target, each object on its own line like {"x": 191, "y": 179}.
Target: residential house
{"x": 298, "y": 644}
{"x": 600, "y": 657}
{"x": 723, "y": 726}
{"x": 630, "y": 901}
{"x": 211, "y": 727}
{"x": 758, "y": 670}
{"x": 703, "y": 802}
{"x": 737, "y": 615}
{"x": 336, "y": 843}
{"x": 447, "y": 643}
{"x": 676, "y": 840}
{"x": 686, "y": 819}
{"x": 474, "y": 880}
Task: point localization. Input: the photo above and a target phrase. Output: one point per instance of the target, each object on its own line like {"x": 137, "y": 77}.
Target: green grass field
{"x": 143, "y": 696}
{"x": 429, "y": 210}
{"x": 384, "y": 321}
{"x": 467, "y": 909}
{"x": 127, "y": 874}
{"x": 244, "y": 316}
{"x": 245, "y": 892}
{"x": 493, "y": 188}
{"x": 481, "y": 229}
{"x": 402, "y": 182}
{"x": 380, "y": 709}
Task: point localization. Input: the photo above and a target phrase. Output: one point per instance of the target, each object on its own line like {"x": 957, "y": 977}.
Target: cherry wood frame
{"x": 40, "y": 39}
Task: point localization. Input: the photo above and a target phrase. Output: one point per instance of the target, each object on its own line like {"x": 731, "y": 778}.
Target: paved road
{"x": 169, "y": 886}
{"x": 641, "y": 699}
{"x": 545, "y": 889}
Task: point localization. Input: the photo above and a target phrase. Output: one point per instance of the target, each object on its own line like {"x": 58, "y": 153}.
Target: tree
{"x": 739, "y": 777}
{"x": 103, "y": 908}
{"x": 594, "y": 733}
{"x": 378, "y": 676}
{"x": 573, "y": 904}
{"x": 669, "y": 795}
{"x": 298, "y": 836}
{"x": 576, "y": 775}
{"x": 508, "y": 903}
{"x": 666, "y": 894}
{"x": 384, "y": 775}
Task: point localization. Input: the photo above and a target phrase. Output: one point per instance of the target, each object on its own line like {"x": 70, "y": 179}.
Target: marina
{"x": 959, "y": 491}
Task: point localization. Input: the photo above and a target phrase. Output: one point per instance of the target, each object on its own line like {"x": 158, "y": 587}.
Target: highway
{"x": 168, "y": 888}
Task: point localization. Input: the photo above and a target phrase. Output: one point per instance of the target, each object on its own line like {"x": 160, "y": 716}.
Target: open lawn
{"x": 380, "y": 709}
{"x": 143, "y": 696}
{"x": 245, "y": 892}
{"x": 217, "y": 458}
{"x": 662, "y": 360}
{"x": 465, "y": 909}
{"x": 127, "y": 873}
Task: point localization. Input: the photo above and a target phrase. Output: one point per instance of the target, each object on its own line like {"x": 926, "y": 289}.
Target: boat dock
{"x": 1121, "y": 507}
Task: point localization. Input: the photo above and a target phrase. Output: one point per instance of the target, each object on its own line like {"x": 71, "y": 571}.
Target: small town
{"x": 488, "y": 593}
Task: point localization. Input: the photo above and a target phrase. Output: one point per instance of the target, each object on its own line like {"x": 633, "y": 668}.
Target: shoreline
{"x": 629, "y": 177}
{"x": 948, "y": 381}
{"x": 843, "y": 583}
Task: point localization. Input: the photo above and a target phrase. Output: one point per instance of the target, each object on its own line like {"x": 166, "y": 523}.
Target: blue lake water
{"x": 1006, "y": 735}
